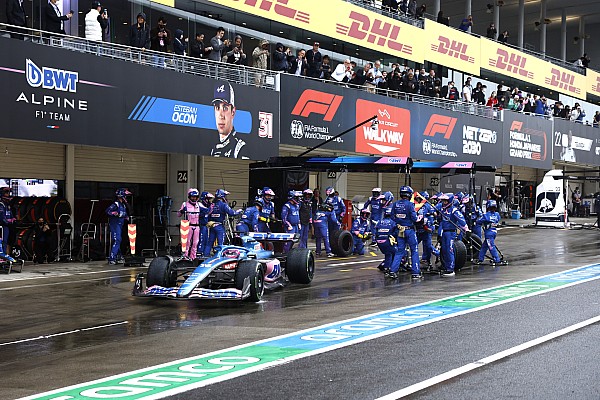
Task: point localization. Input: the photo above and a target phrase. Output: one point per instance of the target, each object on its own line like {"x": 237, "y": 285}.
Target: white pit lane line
{"x": 417, "y": 387}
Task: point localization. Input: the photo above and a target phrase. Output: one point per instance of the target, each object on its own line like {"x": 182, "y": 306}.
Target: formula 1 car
{"x": 240, "y": 271}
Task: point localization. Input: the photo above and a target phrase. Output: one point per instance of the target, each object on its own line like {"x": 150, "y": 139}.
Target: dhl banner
{"x": 170, "y": 3}
{"x": 451, "y": 48}
{"x": 505, "y": 60}
{"x": 593, "y": 82}
{"x": 341, "y": 20}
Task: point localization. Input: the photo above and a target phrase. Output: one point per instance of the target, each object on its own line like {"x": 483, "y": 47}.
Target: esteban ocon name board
{"x": 62, "y": 96}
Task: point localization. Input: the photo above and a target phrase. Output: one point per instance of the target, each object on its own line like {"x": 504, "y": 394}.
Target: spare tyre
{"x": 300, "y": 266}
{"x": 160, "y": 273}
{"x": 341, "y": 243}
{"x": 474, "y": 243}
{"x": 460, "y": 255}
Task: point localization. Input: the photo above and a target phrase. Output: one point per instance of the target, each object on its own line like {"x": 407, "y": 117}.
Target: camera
{"x": 105, "y": 11}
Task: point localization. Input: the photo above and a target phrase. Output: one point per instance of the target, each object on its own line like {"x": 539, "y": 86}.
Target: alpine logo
{"x": 440, "y": 124}
{"x": 315, "y": 102}
{"x": 221, "y": 89}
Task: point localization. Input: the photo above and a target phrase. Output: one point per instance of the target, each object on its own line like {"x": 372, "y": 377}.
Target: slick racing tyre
{"x": 474, "y": 243}
{"x": 341, "y": 243}
{"x": 300, "y": 266}
{"x": 252, "y": 270}
{"x": 160, "y": 273}
{"x": 460, "y": 255}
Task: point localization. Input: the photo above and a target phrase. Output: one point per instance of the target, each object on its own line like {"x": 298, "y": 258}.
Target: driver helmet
{"x": 330, "y": 191}
{"x": 376, "y": 192}
{"x": 193, "y": 195}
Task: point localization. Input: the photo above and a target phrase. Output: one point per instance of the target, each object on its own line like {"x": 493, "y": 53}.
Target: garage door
{"x": 360, "y": 184}
{"x": 23, "y": 159}
{"x": 99, "y": 164}
{"x": 230, "y": 174}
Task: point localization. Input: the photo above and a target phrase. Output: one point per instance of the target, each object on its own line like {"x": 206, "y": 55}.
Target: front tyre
{"x": 252, "y": 270}
{"x": 160, "y": 273}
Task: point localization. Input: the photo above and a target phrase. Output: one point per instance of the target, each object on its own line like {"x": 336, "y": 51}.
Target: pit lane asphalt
{"x": 71, "y": 297}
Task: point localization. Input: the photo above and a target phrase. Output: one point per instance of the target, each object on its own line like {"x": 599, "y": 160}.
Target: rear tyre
{"x": 252, "y": 270}
{"x": 474, "y": 243}
{"x": 341, "y": 243}
{"x": 300, "y": 266}
{"x": 460, "y": 255}
{"x": 160, "y": 273}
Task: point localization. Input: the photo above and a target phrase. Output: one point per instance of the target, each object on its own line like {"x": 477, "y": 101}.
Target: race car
{"x": 240, "y": 271}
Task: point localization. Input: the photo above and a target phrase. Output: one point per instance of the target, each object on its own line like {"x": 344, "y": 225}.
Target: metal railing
{"x": 377, "y": 7}
{"x": 189, "y": 65}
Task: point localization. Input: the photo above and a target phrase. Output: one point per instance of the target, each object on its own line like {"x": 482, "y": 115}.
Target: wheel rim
{"x": 310, "y": 266}
{"x": 259, "y": 284}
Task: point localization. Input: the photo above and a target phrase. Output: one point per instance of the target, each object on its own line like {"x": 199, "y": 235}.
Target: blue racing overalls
{"x": 386, "y": 236}
{"x": 404, "y": 214}
{"x": 489, "y": 221}
{"x": 117, "y": 215}
{"x": 360, "y": 227}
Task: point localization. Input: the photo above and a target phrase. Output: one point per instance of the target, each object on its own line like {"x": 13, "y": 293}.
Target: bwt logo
{"x": 280, "y": 8}
{"x": 51, "y": 78}
{"x": 516, "y": 126}
{"x": 312, "y": 101}
{"x": 562, "y": 80}
{"x": 511, "y": 63}
{"x": 452, "y": 48}
{"x": 379, "y": 32}
{"x": 440, "y": 124}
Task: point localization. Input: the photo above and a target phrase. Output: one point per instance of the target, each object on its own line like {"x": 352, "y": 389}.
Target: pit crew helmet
{"x": 258, "y": 201}
{"x": 122, "y": 192}
{"x": 206, "y": 196}
{"x": 376, "y": 192}
{"x": 193, "y": 193}
{"x": 491, "y": 204}
{"x": 307, "y": 194}
{"x": 449, "y": 197}
{"x": 330, "y": 191}
{"x": 267, "y": 193}
{"x": 365, "y": 213}
{"x": 221, "y": 193}
{"x": 6, "y": 193}
{"x": 388, "y": 197}
{"x": 424, "y": 195}
{"x": 459, "y": 196}
{"x": 466, "y": 199}
{"x": 406, "y": 191}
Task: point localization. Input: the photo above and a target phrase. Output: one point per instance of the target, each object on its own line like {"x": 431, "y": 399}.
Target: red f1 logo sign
{"x": 440, "y": 124}
{"x": 312, "y": 101}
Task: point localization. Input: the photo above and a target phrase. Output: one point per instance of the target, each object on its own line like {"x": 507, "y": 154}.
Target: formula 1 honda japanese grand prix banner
{"x": 443, "y": 135}
{"x": 575, "y": 143}
{"x": 63, "y": 96}
{"x": 527, "y": 141}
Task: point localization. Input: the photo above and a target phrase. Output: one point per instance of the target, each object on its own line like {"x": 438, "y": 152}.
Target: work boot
{"x": 416, "y": 277}
{"x": 391, "y": 275}
{"x": 448, "y": 273}
{"x": 478, "y": 262}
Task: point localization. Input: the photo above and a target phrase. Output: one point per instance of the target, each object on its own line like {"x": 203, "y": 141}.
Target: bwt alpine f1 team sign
{"x": 61, "y": 96}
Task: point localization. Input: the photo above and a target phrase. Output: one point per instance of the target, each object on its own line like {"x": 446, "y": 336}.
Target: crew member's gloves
{"x": 468, "y": 234}
{"x": 210, "y": 224}
{"x": 115, "y": 213}
{"x": 264, "y": 219}
{"x": 11, "y": 220}
{"x": 393, "y": 240}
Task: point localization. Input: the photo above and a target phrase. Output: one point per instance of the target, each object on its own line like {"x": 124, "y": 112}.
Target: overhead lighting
{"x": 281, "y": 32}
{"x": 243, "y": 23}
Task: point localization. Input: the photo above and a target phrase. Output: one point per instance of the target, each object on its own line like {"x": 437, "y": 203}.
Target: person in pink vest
{"x": 190, "y": 210}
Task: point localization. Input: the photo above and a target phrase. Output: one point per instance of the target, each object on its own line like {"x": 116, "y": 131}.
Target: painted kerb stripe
{"x": 194, "y": 372}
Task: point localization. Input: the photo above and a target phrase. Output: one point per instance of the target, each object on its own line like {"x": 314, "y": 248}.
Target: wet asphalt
{"x": 68, "y": 323}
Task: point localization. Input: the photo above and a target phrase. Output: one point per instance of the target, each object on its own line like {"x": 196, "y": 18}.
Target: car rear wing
{"x": 275, "y": 237}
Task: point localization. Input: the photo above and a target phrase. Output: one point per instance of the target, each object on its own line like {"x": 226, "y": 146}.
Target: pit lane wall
{"x": 61, "y": 96}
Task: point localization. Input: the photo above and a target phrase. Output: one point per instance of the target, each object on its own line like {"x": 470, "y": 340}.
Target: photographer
{"x": 281, "y": 58}
{"x": 236, "y": 54}
{"x": 160, "y": 36}
{"x": 41, "y": 240}
{"x": 96, "y": 22}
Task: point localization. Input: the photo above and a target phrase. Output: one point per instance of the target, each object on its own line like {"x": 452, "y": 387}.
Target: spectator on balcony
{"x": 54, "y": 20}
{"x": 541, "y": 107}
{"x": 198, "y": 49}
{"x": 218, "y": 45}
{"x": 421, "y": 11}
{"x": 430, "y": 82}
{"x": 566, "y": 112}
{"x": 479, "y": 94}
{"x": 139, "y": 34}
{"x": 493, "y": 100}
{"x": 450, "y": 92}
{"x": 467, "y": 91}
{"x": 299, "y": 66}
{"x": 260, "y": 59}
{"x": 359, "y": 75}
{"x": 577, "y": 113}
{"x": 342, "y": 72}
{"x": 373, "y": 77}
{"x": 394, "y": 79}
{"x": 503, "y": 37}
{"x": 179, "y": 43}
{"x": 585, "y": 60}
{"x": 280, "y": 58}
{"x": 596, "y": 120}
{"x": 491, "y": 31}
{"x": 403, "y": 6}
{"x": 382, "y": 86}
{"x": 387, "y": 5}
{"x": 412, "y": 8}
{"x": 235, "y": 54}
{"x": 466, "y": 24}
{"x": 15, "y": 15}
{"x": 314, "y": 58}
{"x": 410, "y": 83}
{"x": 557, "y": 109}
{"x": 443, "y": 20}
{"x": 95, "y": 22}
{"x": 325, "y": 69}
{"x": 160, "y": 36}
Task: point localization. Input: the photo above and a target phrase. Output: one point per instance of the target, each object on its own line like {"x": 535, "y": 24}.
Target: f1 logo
{"x": 440, "y": 124}
{"x": 312, "y": 101}
{"x": 516, "y": 126}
